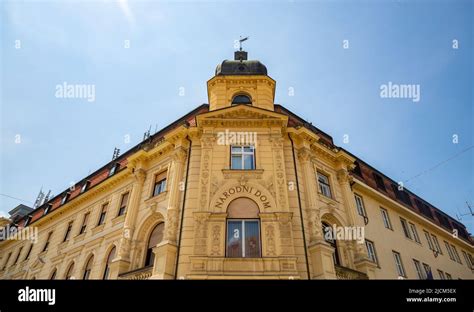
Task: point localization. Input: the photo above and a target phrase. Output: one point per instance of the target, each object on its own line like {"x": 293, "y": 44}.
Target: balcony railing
{"x": 138, "y": 274}
{"x": 344, "y": 273}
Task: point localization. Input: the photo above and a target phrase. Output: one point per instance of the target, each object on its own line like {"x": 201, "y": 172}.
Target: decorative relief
{"x": 268, "y": 184}
{"x": 207, "y": 143}
{"x": 214, "y": 185}
{"x": 171, "y": 225}
{"x": 200, "y": 233}
{"x": 314, "y": 225}
{"x": 279, "y": 169}
{"x": 216, "y": 240}
{"x": 270, "y": 240}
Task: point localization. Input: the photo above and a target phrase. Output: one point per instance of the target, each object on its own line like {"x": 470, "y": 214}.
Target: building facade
{"x": 240, "y": 188}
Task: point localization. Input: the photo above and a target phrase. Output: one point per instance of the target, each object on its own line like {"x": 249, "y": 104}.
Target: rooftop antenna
{"x": 39, "y": 198}
{"x": 470, "y": 213}
{"x": 146, "y": 135}
{"x": 116, "y": 153}
{"x": 47, "y": 197}
{"x": 242, "y": 40}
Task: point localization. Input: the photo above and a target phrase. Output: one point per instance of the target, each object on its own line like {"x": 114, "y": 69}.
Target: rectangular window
{"x": 371, "y": 251}
{"x": 28, "y": 253}
{"x": 242, "y": 157}
{"x": 448, "y": 276}
{"x": 18, "y": 255}
{"x": 406, "y": 230}
{"x": 467, "y": 259}
{"x": 379, "y": 182}
{"x": 68, "y": 231}
{"x": 399, "y": 264}
{"x": 428, "y": 273}
{"x": 386, "y": 218}
{"x": 6, "y": 261}
{"x": 84, "y": 224}
{"x": 428, "y": 239}
{"x": 441, "y": 275}
{"x": 160, "y": 184}
{"x": 414, "y": 232}
{"x": 419, "y": 270}
{"x": 46, "y": 245}
{"x": 450, "y": 252}
{"x": 436, "y": 245}
{"x": 103, "y": 213}
{"x": 324, "y": 187}
{"x": 123, "y": 204}
{"x": 243, "y": 239}
{"x": 455, "y": 253}
{"x": 360, "y": 205}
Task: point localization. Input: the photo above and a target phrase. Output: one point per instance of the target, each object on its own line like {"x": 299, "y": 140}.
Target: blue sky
{"x": 178, "y": 45}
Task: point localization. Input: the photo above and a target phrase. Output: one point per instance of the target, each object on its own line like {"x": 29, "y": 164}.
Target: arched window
{"x": 53, "y": 274}
{"x": 243, "y": 229}
{"x": 70, "y": 271}
{"x": 241, "y": 99}
{"x": 108, "y": 263}
{"x": 156, "y": 237}
{"x": 88, "y": 268}
{"x": 329, "y": 236}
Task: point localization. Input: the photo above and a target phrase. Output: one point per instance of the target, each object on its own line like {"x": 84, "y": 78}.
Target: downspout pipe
{"x": 182, "y": 208}
{"x": 301, "y": 209}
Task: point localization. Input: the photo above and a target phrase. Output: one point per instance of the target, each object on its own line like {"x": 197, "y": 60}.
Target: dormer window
{"x": 47, "y": 209}
{"x": 241, "y": 99}
{"x": 85, "y": 186}
{"x": 27, "y": 221}
{"x": 114, "y": 169}
{"x": 65, "y": 198}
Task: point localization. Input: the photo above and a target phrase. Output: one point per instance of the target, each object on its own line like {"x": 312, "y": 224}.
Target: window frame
{"x": 374, "y": 252}
{"x": 242, "y": 238}
{"x": 46, "y": 244}
{"x": 241, "y": 94}
{"x": 103, "y": 213}
{"x": 123, "y": 207}
{"x": 436, "y": 244}
{"x": 419, "y": 269}
{"x": 68, "y": 231}
{"x": 450, "y": 252}
{"x": 441, "y": 274}
{"x": 321, "y": 184}
{"x": 386, "y": 219}
{"x": 399, "y": 263}
{"x": 406, "y": 229}
{"x": 85, "y": 221}
{"x": 414, "y": 232}
{"x": 242, "y": 153}
{"x": 456, "y": 254}
{"x": 360, "y": 208}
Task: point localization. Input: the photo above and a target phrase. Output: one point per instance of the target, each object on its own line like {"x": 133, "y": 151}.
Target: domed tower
{"x": 241, "y": 81}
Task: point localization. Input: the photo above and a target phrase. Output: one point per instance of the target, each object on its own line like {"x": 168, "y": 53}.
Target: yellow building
{"x": 240, "y": 188}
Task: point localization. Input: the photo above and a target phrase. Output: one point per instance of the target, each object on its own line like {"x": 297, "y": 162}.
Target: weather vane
{"x": 242, "y": 40}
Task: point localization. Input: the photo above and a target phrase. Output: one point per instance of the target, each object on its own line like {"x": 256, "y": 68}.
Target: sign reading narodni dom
{"x": 242, "y": 190}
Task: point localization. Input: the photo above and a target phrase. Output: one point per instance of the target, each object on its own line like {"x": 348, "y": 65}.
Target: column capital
{"x": 304, "y": 154}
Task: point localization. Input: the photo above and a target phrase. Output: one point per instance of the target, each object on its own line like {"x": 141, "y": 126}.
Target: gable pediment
{"x": 242, "y": 115}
